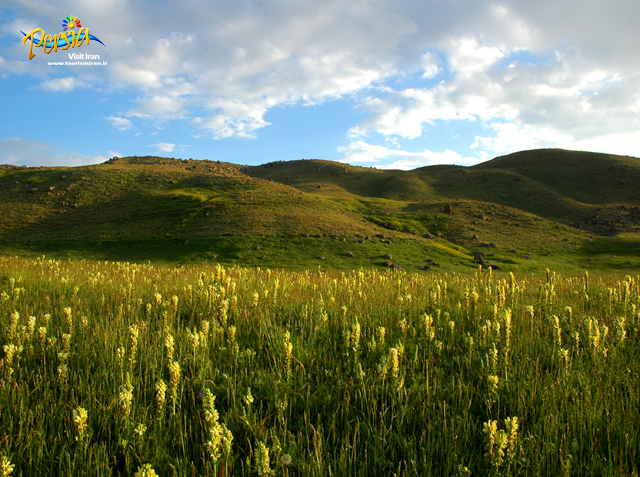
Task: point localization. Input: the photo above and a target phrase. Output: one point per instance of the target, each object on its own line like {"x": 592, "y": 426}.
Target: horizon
{"x": 378, "y": 85}
{"x": 294, "y": 160}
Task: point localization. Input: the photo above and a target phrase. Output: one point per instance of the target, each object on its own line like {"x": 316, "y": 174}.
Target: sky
{"x": 389, "y": 84}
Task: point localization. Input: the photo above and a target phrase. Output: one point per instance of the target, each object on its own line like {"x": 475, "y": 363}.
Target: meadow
{"x": 116, "y": 368}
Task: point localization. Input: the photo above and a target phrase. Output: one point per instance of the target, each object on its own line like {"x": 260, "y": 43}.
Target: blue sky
{"x": 374, "y": 83}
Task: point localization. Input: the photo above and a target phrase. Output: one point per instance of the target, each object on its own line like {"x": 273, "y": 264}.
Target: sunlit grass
{"x": 128, "y": 369}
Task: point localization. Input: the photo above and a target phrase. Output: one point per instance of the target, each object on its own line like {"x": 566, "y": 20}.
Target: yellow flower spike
{"x": 288, "y": 354}
{"x": 219, "y": 436}
{"x": 174, "y": 373}
{"x": 6, "y": 467}
{"x": 161, "y": 390}
{"x": 145, "y": 471}
{"x": 68, "y": 317}
{"x": 140, "y": 429}
{"x": 13, "y": 327}
{"x": 493, "y": 384}
{"x": 80, "y": 417}
{"x": 261, "y": 455}
{"x": 125, "y": 398}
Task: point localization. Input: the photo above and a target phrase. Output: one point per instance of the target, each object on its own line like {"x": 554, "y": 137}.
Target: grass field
{"x": 115, "y": 368}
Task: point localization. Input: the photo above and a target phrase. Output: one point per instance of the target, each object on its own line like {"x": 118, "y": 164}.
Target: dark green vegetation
{"x": 108, "y": 367}
{"x": 541, "y": 209}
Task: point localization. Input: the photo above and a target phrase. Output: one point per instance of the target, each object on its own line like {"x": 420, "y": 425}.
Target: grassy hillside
{"x": 545, "y": 208}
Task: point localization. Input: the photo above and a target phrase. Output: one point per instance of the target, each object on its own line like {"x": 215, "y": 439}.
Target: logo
{"x": 73, "y": 34}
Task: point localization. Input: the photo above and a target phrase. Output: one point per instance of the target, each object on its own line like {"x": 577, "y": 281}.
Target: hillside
{"x": 539, "y": 208}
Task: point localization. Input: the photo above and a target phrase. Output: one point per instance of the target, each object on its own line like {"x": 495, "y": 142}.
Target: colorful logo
{"x": 70, "y": 22}
{"x": 73, "y": 34}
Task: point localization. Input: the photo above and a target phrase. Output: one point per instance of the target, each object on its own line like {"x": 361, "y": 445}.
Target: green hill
{"x": 544, "y": 208}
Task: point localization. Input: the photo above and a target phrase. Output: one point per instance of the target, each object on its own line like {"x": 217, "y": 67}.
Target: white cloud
{"x": 63, "y": 84}
{"x": 360, "y": 151}
{"x": 163, "y": 146}
{"x": 30, "y": 152}
{"x": 119, "y": 123}
{"x": 467, "y": 56}
{"x": 566, "y": 101}
{"x": 510, "y": 138}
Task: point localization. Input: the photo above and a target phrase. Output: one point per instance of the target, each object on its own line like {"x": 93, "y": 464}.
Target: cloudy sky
{"x": 399, "y": 84}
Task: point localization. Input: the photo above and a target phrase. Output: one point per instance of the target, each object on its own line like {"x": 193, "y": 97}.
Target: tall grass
{"x": 123, "y": 369}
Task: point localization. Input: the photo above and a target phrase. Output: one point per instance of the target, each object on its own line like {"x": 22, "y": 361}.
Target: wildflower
{"x": 621, "y": 333}
{"x": 6, "y": 467}
{"x": 80, "y": 421}
{"x": 469, "y": 341}
{"x": 42, "y": 335}
{"x": 32, "y": 325}
{"x": 248, "y": 399}
{"x": 493, "y": 384}
{"x": 394, "y": 362}
{"x": 134, "y": 334}
{"x": 285, "y": 459}
{"x": 496, "y": 330}
{"x": 13, "y": 327}
{"x": 462, "y": 469}
{"x": 594, "y": 334}
{"x": 66, "y": 342}
{"x": 492, "y": 359}
{"x": 120, "y": 354}
{"x": 496, "y": 443}
{"x": 231, "y": 331}
{"x": 10, "y": 351}
{"x": 531, "y": 312}
{"x": 439, "y": 346}
{"x": 430, "y": 331}
{"x": 355, "y": 336}
{"x": 261, "y": 454}
{"x": 288, "y": 353}
{"x": 507, "y": 328}
{"x": 145, "y": 471}
{"x": 140, "y": 429}
{"x": 161, "y": 389}
{"x": 511, "y": 424}
{"x": 126, "y": 397}
{"x": 68, "y": 317}
{"x": 168, "y": 343}
{"x": 219, "y": 435}
{"x": 174, "y": 302}
{"x": 381, "y": 334}
{"x": 224, "y": 308}
{"x": 63, "y": 372}
{"x": 174, "y": 374}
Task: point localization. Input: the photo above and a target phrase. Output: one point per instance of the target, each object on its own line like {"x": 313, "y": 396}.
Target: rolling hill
{"x": 525, "y": 211}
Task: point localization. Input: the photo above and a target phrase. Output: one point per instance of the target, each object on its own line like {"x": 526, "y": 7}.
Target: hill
{"x": 544, "y": 208}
